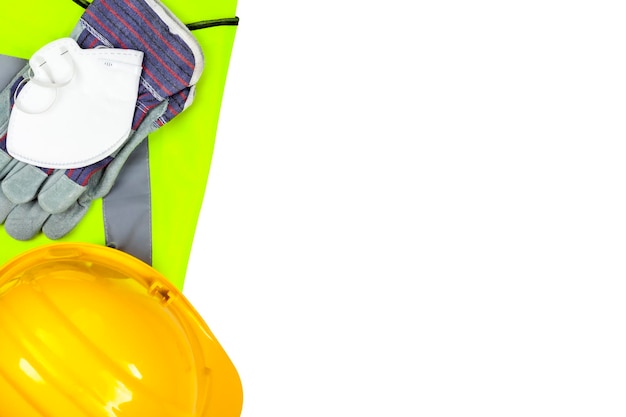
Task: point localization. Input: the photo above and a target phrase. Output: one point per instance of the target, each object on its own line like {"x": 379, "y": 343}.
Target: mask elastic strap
{"x": 51, "y": 85}
{"x": 54, "y": 84}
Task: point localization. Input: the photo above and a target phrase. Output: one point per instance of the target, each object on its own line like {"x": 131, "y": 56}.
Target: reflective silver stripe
{"x": 127, "y": 208}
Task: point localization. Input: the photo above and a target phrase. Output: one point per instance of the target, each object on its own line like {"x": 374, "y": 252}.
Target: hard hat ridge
{"x": 98, "y": 333}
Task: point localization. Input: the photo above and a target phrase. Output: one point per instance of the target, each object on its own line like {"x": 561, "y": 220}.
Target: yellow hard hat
{"x": 89, "y": 331}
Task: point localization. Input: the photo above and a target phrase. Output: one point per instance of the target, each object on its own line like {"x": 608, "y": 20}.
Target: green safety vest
{"x": 173, "y": 163}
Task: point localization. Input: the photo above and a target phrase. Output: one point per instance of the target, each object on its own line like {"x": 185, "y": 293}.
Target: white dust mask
{"x": 77, "y": 108}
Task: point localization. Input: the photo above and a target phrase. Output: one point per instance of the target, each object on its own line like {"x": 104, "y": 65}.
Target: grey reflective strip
{"x": 127, "y": 208}
{"x": 9, "y": 66}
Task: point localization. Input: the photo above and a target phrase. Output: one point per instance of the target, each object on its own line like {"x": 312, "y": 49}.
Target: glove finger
{"x": 6, "y": 206}
{"x": 7, "y": 95}
{"x": 7, "y": 163}
{"x": 59, "y": 225}
{"x": 23, "y": 182}
{"x": 25, "y": 220}
{"x": 60, "y": 195}
{"x": 148, "y": 125}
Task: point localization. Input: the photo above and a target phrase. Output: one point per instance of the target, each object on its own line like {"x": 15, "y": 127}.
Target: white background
{"x": 417, "y": 208}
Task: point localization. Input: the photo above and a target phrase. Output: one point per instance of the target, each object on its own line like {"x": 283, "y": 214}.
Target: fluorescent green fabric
{"x": 184, "y": 146}
{"x": 192, "y": 152}
{"x": 27, "y": 26}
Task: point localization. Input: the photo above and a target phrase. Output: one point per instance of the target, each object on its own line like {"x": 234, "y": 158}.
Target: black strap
{"x": 82, "y": 3}
{"x": 203, "y": 24}
{"x": 230, "y": 21}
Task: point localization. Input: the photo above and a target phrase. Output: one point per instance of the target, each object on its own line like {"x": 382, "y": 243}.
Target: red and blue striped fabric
{"x": 168, "y": 64}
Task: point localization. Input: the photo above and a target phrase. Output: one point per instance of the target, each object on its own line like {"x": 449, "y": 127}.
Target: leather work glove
{"x": 34, "y": 199}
